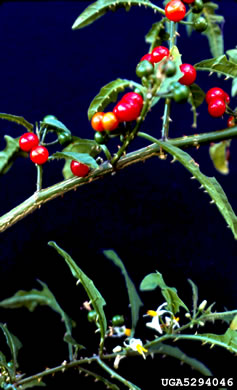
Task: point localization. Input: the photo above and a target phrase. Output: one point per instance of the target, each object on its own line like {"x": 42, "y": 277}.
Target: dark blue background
{"x": 152, "y": 214}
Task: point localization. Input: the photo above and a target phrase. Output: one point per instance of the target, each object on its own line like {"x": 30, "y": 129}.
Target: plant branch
{"x": 39, "y": 198}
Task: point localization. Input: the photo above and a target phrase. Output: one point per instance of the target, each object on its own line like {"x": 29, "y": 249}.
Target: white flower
{"x": 120, "y": 331}
{"x": 136, "y": 345}
{"x": 174, "y": 321}
{"x": 155, "y": 322}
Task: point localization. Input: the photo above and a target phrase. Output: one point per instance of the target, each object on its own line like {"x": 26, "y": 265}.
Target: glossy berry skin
{"x": 91, "y": 316}
{"x": 144, "y": 69}
{"x": 169, "y": 69}
{"x": 158, "y": 53}
{"x": 28, "y": 141}
{"x": 79, "y": 169}
{"x": 118, "y": 320}
{"x": 200, "y": 24}
{"x": 175, "y": 10}
{"x": 133, "y": 97}
{"x": 197, "y": 7}
{"x": 146, "y": 57}
{"x": 181, "y": 94}
{"x": 127, "y": 111}
{"x": 39, "y": 155}
{"x": 231, "y": 121}
{"x": 217, "y": 92}
{"x": 110, "y": 121}
{"x": 216, "y": 107}
{"x": 189, "y": 76}
{"x": 100, "y": 138}
{"x": 188, "y": 1}
{"x": 96, "y": 121}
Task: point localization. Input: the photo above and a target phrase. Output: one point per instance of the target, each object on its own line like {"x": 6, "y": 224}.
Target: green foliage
{"x": 213, "y": 31}
{"x": 109, "y": 93}
{"x": 13, "y": 343}
{"x": 151, "y": 281}
{"x": 226, "y": 316}
{"x": 157, "y": 34}
{"x": 34, "y": 383}
{"x": 134, "y": 299}
{"x": 209, "y": 184}
{"x": 100, "y": 7}
{"x": 180, "y": 355}
{"x": 17, "y": 119}
{"x": 166, "y": 83}
{"x": 94, "y": 295}
{"x": 53, "y": 124}
{"x": 197, "y": 95}
{"x": 79, "y": 145}
{"x": 218, "y": 156}
{"x": 220, "y": 65}
{"x": 195, "y": 295}
{"x": 71, "y": 341}
{"x": 9, "y": 153}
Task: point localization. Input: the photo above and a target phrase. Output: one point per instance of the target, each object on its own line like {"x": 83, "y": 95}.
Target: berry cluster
{"x": 126, "y": 110}
{"x": 217, "y": 99}
{"x": 29, "y": 142}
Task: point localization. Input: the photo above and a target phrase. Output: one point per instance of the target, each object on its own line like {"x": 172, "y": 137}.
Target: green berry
{"x": 100, "y": 137}
{"x": 118, "y": 320}
{"x": 169, "y": 68}
{"x": 144, "y": 69}
{"x": 200, "y": 24}
{"x": 181, "y": 94}
{"x": 197, "y": 7}
{"x": 91, "y": 316}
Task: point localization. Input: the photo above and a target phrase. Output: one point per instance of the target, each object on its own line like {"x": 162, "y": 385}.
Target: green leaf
{"x": 80, "y": 157}
{"x": 175, "y": 352}
{"x": 17, "y": 119}
{"x": 79, "y": 145}
{"x": 31, "y": 299}
{"x": 13, "y": 343}
{"x": 100, "y": 7}
{"x": 233, "y": 324}
{"x": 165, "y": 85}
{"x": 219, "y": 65}
{"x": 151, "y": 281}
{"x": 234, "y": 87}
{"x": 108, "y": 94}
{"x": 94, "y": 295}
{"x": 157, "y": 34}
{"x": 227, "y": 316}
{"x": 134, "y": 299}
{"x": 195, "y": 295}
{"x": 8, "y": 155}
{"x": 197, "y": 95}
{"x": 232, "y": 54}
{"x": 210, "y": 184}
{"x": 34, "y": 383}
{"x": 73, "y": 343}
{"x": 213, "y": 31}
{"x": 218, "y": 153}
{"x": 54, "y": 123}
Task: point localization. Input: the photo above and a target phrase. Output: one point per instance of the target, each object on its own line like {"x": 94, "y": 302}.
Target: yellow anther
{"x": 141, "y": 349}
{"x": 176, "y": 319}
{"x": 127, "y": 332}
{"x": 152, "y": 313}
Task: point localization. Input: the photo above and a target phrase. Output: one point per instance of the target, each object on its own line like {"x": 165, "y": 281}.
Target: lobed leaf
{"x": 108, "y": 94}
{"x": 218, "y": 154}
{"x": 84, "y": 158}
{"x": 17, "y": 119}
{"x": 13, "y": 343}
{"x": 157, "y": 34}
{"x": 94, "y": 295}
{"x": 55, "y": 123}
{"x": 213, "y": 31}
{"x": 210, "y": 184}
{"x": 178, "y": 354}
{"x": 219, "y": 65}
{"x": 79, "y": 145}
{"x": 8, "y": 154}
{"x": 227, "y": 316}
{"x": 153, "y": 280}
{"x": 100, "y": 7}
{"x": 134, "y": 299}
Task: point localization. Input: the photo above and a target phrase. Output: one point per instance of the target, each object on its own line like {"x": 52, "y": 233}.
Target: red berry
{"x": 39, "y": 155}
{"x": 216, "y": 107}
{"x": 147, "y": 57}
{"x": 188, "y": 1}
{"x": 189, "y": 76}
{"x": 127, "y": 111}
{"x": 231, "y": 121}
{"x": 175, "y": 10}
{"x": 96, "y": 121}
{"x": 79, "y": 169}
{"x": 158, "y": 53}
{"x": 217, "y": 92}
{"x": 133, "y": 97}
{"x": 110, "y": 121}
{"x": 28, "y": 141}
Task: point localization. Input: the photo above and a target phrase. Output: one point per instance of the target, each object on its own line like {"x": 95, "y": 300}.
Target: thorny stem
{"x": 115, "y": 375}
{"x": 39, "y": 177}
{"x": 166, "y": 116}
{"x": 40, "y": 197}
